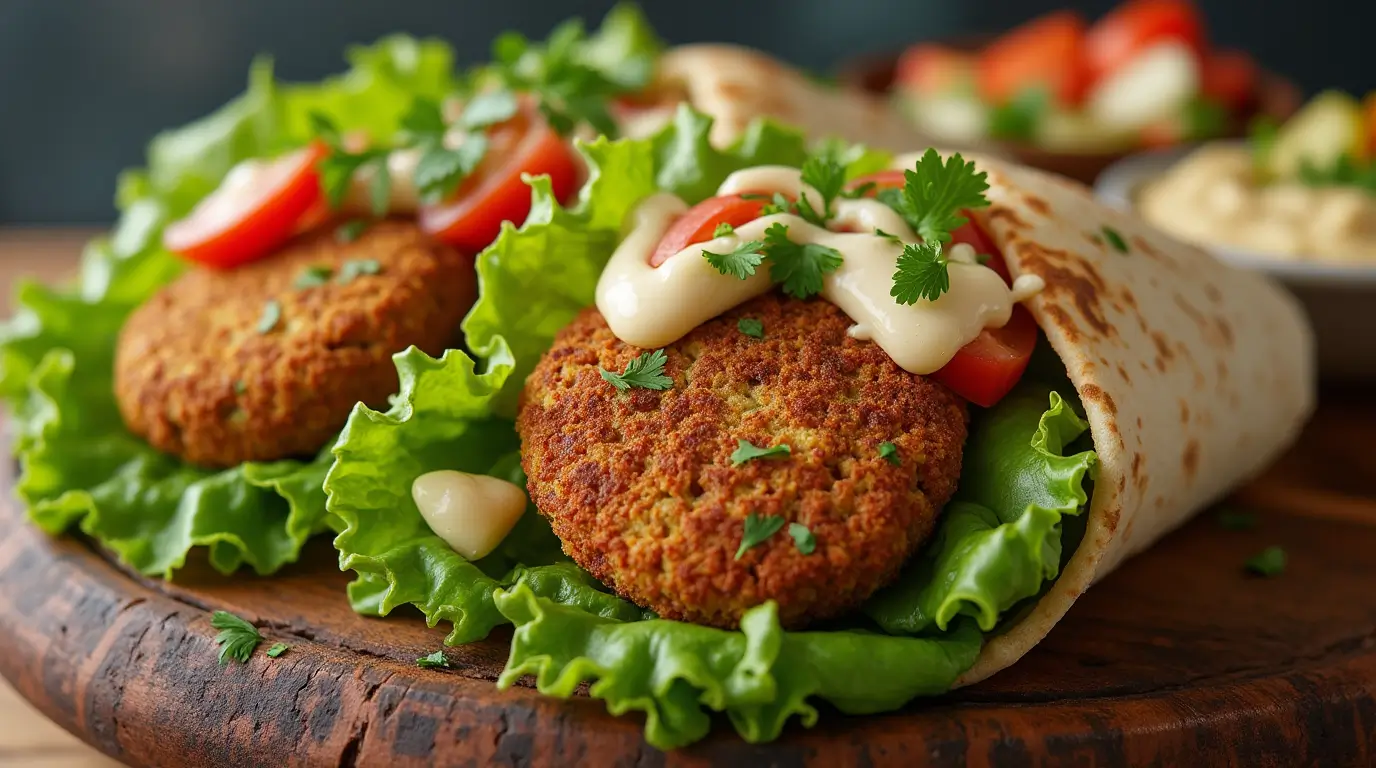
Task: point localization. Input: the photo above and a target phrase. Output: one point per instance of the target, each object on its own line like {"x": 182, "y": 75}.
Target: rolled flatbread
{"x": 735, "y": 85}
{"x": 1194, "y": 375}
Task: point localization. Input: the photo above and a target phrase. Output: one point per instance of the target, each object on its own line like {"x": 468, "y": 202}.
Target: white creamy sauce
{"x": 472, "y": 513}
{"x": 654, "y": 306}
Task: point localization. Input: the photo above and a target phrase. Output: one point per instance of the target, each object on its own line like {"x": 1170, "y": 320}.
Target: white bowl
{"x": 1339, "y": 298}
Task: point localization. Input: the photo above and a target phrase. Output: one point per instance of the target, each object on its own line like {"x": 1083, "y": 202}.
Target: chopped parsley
{"x": 922, "y": 273}
{"x": 440, "y": 169}
{"x": 356, "y": 268}
{"x": 827, "y": 175}
{"x": 746, "y": 450}
{"x": 436, "y": 660}
{"x": 775, "y": 203}
{"x": 888, "y": 236}
{"x": 277, "y": 650}
{"x": 351, "y": 230}
{"x": 723, "y": 229}
{"x": 935, "y": 192}
{"x": 1233, "y": 520}
{"x": 750, "y": 327}
{"x": 757, "y": 529}
{"x": 1268, "y": 562}
{"x": 799, "y": 268}
{"x": 240, "y": 387}
{"x": 802, "y": 538}
{"x": 237, "y": 639}
{"x": 272, "y": 315}
{"x": 740, "y": 262}
{"x": 646, "y": 371}
{"x": 1115, "y": 239}
{"x": 312, "y": 276}
{"x": 337, "y": 169}
{"x": 889, "y": 452}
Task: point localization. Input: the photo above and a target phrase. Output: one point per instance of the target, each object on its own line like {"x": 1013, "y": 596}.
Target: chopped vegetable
{"x": 723, "y": 229}
{"x": 889, "y": 452}
{"x": 1237, "y": 521}
{"x": 312, "y": 276}
{"x": 802, "y": 538}
{"x": 272, "y": 315}
{"x": 746, "y": 451}
{"x": 758, "y": 528}
{"x": 750, "y": 327}
{"x": 355, "y": 268}
{"x": 1268, "y": 562}
{"x": 351, "y": 230}
{"x": 237, "y": 639}
{"x": 646, "y": 371}
{"x": 436, "y": 660}
{"x": 277, "y": 650}
{"x": 1115, "y": 239}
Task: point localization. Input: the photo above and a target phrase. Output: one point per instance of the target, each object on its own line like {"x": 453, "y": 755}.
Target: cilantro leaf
{"x": 355, "y": 268}
{"x": 935, "y": 192}
{"x": 312, "y": 276}
{"x": 757, "y": 529}
{"x": 746, "y": 451}
{"x": 488, "y": 108}
{"x": 646, "y": 371}
{"x": 436, "y": 660}
{"x": 350, "y": 230}
{"x": 440, "y": 169}
{"x": 272, "y": 315}
{"x": 1018, "y": 118}
{"x": 237, "y": 639}
{"x": 827, "y": 175}
{"x": 889, "y": 452}
{"x": 800, "y": 268}
{"x": 723, "y": 229}
{"x": 1115, "y": 239}
{"x": 1268, "y": 562}
{"x": 424, "y": 121}
{"x": 277, "y": 650}
{"x": 740, "y": 262}
{"x": 922, "y": 273}
{"x": 802, "y": 538}
{"x": 750, "y": 327}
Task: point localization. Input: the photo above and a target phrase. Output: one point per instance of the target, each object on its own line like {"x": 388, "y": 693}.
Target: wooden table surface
{"x": 27, "y": 739}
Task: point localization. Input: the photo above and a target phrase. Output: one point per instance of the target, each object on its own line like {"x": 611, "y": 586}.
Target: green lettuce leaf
{"x": 1000, "y": 539}
{"x": 80, "y": 466}
{"x": 760, "y": 676}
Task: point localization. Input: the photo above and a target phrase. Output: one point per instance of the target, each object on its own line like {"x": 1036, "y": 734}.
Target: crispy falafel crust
{"x": 640, "y": 486}
{"x": 196, "y": 378}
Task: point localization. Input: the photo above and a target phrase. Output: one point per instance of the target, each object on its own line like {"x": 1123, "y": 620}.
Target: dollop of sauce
{"x": 472, "y": 513}
{"x": 654, "y": 306}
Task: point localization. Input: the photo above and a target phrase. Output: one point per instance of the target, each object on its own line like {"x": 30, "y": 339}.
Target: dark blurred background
{"x": 85, "y": 83}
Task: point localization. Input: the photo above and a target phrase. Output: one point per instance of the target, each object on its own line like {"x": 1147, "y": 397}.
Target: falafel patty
{"x": 641, "y": 489}
{"x": 204, "y": 371}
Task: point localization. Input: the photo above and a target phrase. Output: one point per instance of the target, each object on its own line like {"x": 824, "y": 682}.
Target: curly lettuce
{"x": 79, "y": 465}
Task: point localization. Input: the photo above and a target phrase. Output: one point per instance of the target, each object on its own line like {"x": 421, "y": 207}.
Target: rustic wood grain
{"x": 1179, "y": 658}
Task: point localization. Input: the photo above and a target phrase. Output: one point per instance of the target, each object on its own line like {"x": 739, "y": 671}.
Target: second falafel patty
{"x": 261, "y": 363}
{"x": 641, "y": 489}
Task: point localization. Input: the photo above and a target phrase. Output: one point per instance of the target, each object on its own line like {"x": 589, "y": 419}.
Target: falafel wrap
{"x": 840, "y": 426}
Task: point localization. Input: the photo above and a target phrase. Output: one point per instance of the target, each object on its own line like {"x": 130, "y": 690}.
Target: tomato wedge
{"x": 254, "y": 211}
{"x": 986, "y": 369}
{"x": 1137, "y": 25}
{"x": 1047, "y": 52}
{"x": 494, "y": 192}
{"x": 698, "y": 224}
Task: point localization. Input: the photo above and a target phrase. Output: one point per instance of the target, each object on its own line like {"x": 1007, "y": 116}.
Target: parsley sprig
{"x": 440, "y": 168}
{"x": 739, "y": 262}
{"x": 338, "y": 167}
{"x": 758, "y": 528}
{"x": 933, "y": 195}
{"x": 798, "y": 267}
{"x": 237, "y": 639}
{"x": 646, "y": 371}
{"x": 746, "y": 451}
{"x": 922, "y": 273}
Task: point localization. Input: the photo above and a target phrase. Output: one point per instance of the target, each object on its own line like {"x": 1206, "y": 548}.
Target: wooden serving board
{"x": 1179, "y": 658}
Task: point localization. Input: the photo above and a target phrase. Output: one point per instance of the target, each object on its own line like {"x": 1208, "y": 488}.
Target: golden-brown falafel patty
{"x": 197, "y": 376}
{"x": 641, "y": 489}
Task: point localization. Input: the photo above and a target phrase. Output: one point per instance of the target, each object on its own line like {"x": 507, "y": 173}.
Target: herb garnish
{"x": 337, "y": 168}
{"x": 440, "y": 169}
{"x": 746, "y": 450}
{"x": 888, "y": 236}
{"x": 1268, "y": 562}
{"x": 799, "y": 268}
{"x": 723, "y": 229}
{"x": 355, "y": 268}
{"x": 1344, "y": 172}
{"x": 646, "y": 371}
{"x": 1115, "y": 239}
{"x": 802, "y": 538}
{"x": 889, "y": 452}
{"x": 757, "y": 529}
{"x": 433, "y": 661}
{"x": 237, "y": 639}
{"x": 1018, "y": 118}
{"x": 312, "y": 276}
{"x": 922, "y": 273}
{"x": 277, "y": 650}
{"x": 350, "y": 230}
{"x": 240, "y": 387}
{"x": 750, "y": 327}
{"x": 827, "y": 175}
{"x": 1233, "y": 520}
{"x": 272, "y": 314}
{"x": 739, "y": 262}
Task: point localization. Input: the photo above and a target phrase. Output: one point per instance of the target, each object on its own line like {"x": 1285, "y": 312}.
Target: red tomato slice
{"x": 1230, "y": 78}
{"x": 495, "y": 193}
{"x": 1047, "y": 52}
{"x": 986, "y": 369}
{"x": 1136, "y": 25}
{"x": 698, "y": 224}
{"x": 934, "y": 69}
{"x": 254, "y": 211}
